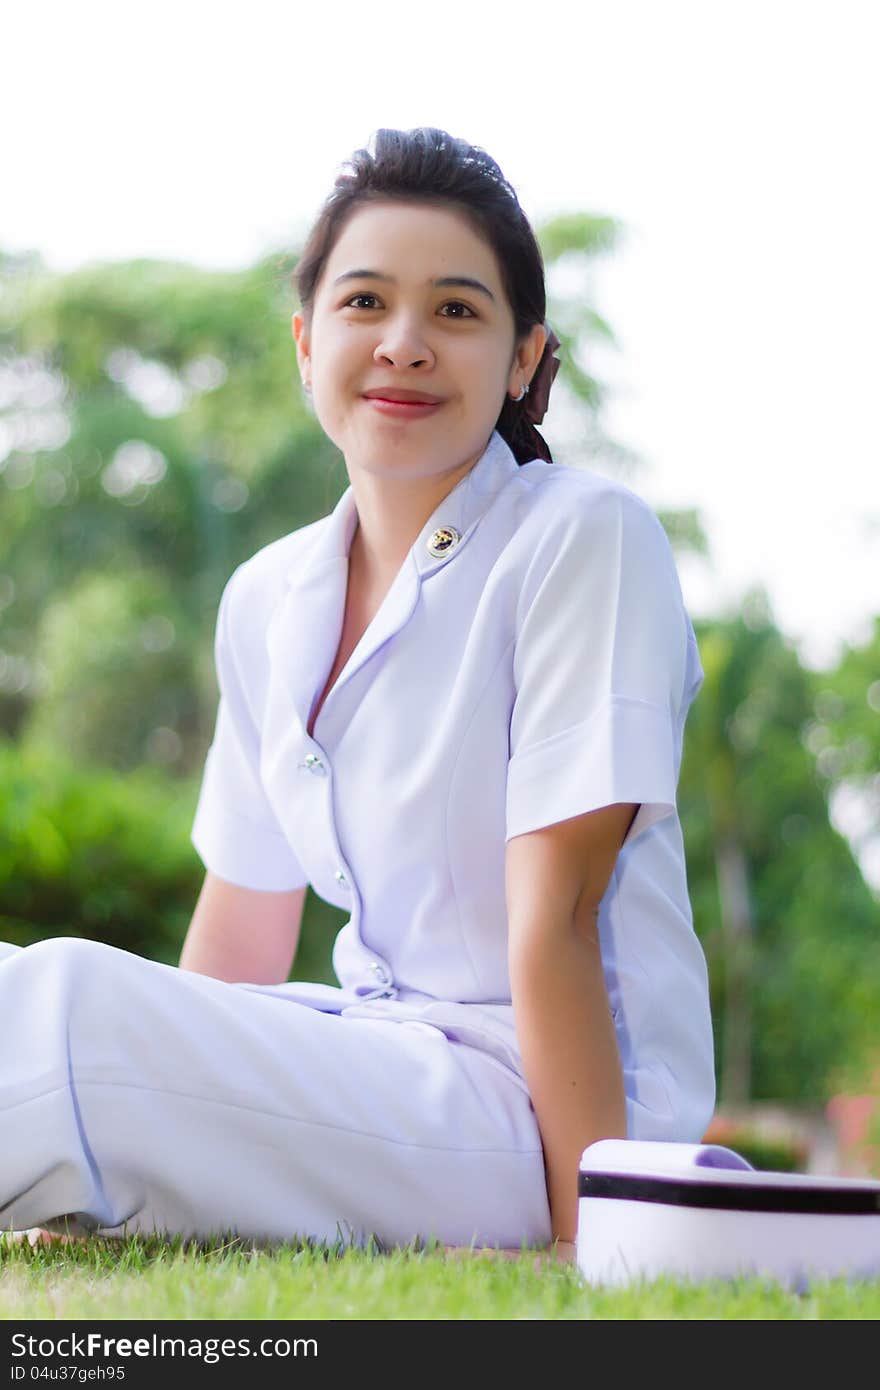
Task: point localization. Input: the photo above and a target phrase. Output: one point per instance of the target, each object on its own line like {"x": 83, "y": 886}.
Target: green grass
{"x": 229, "y": 1278}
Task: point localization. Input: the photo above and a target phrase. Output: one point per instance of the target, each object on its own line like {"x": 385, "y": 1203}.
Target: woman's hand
{"x": 559, "y": 1252}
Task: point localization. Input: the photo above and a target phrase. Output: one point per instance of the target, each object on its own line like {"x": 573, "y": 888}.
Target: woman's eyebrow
{"x": 445, "y": 280}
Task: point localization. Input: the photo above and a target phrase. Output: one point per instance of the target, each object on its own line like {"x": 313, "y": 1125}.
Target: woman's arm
{"x": 243, "y": 933}
{"x": 556, "y": 878}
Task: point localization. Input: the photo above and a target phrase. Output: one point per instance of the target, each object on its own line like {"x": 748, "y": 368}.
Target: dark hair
{"x": 426, "y": 165}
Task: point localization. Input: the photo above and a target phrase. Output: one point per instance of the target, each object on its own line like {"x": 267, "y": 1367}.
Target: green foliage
{"x": 579, "y": 233}
{"x": 774, "y": 1155}
{"x": 87, "y": 853}
{"x": 847, "y": 713}
{"x": 685, "y": 530}
{"x": 110, "y": 632}
{"x": 749, "y": 778}
{"x": 771, "y": 1155}
{"x": 569, "y": 244}
{"x": 162, "y": 439}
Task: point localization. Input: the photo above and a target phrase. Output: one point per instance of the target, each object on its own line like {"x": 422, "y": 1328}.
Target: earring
{"x": 523, "y": 393}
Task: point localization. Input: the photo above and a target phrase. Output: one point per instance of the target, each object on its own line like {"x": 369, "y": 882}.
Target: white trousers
{"x": 138, "y": 1097}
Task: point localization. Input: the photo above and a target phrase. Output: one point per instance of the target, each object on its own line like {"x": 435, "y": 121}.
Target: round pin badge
{"x": 442, "y": 541}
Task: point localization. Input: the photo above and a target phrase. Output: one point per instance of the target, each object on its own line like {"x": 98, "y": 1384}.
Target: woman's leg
{"x": 135, "y": 1096}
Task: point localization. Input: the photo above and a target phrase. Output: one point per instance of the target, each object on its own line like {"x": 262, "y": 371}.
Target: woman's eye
{"x": 451, "y": 304}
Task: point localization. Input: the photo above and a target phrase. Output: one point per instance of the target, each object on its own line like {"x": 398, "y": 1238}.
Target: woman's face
{"x": 383, "y": 323}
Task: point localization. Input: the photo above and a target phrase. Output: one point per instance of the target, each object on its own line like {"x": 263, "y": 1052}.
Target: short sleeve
{"x": 600, "y": 664}
{"x": 235, "y": 831}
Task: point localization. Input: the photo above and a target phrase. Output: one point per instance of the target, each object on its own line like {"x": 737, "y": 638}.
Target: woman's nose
{"x": 403, "y": 345}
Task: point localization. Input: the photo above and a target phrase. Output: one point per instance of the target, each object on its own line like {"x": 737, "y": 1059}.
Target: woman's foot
{"x": 38, "y": 1235}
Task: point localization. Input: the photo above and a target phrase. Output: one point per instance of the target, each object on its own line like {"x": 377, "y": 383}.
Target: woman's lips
{"x": 403, "y": 410}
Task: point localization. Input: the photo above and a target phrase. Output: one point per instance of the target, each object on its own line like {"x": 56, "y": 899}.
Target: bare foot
{"x": 38, "y": 1235}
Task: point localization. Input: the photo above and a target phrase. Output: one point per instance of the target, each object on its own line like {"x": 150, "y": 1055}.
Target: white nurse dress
{"x": 531, "y": 661}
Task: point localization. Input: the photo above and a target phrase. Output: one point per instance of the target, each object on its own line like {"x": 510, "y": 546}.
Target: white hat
{"x": 701, "y": 1211}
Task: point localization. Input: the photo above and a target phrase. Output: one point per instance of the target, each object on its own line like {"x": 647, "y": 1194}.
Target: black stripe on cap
{"x": 728, "y": 1196}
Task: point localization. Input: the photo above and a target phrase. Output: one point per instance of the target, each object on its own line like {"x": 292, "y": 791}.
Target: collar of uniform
{"x": 467, "y": 503}
{"x": 305, "y": 627}
{"x": 462, "y": 509}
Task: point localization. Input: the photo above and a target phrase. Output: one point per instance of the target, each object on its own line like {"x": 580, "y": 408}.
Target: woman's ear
{"x": 526, "y": 358}
{"x": 301, "y": 337}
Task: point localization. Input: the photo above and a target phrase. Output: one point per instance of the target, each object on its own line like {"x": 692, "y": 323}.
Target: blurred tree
{"x": 571, "y": 245}
{"x": 846, "y": 732}
{"x": 844, "y": 735}
{"x": 156, "y": 430}
{"x": 788, "y": 923}
{"x": 85, "y": 852}
{"x": 110, "y": 633}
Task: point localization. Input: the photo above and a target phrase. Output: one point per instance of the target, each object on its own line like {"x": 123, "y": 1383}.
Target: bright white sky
{"x": 736, "y": 141}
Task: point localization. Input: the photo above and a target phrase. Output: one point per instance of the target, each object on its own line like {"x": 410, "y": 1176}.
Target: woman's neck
{"x": 391, "y": 512}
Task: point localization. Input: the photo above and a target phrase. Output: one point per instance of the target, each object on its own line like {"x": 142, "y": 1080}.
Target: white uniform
{"x": 532, "y": 660}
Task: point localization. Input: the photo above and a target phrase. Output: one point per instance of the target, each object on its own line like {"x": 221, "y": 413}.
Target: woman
{"x": 455, "y": 706}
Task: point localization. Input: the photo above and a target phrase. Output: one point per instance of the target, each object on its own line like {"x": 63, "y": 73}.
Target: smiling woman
{"x": 398, "y": 351}
{"x": 454, "y": 707}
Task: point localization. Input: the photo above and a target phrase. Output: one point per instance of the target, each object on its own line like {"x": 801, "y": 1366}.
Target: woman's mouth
{"x": 403, "y": 410}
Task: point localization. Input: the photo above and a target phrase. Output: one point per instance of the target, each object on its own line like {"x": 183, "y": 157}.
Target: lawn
{"x": 229, "y": 1278}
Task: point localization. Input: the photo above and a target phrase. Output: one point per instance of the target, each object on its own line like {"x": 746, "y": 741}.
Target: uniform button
{"x": 340, "y": 878}
{"x": 314, "y": 764}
